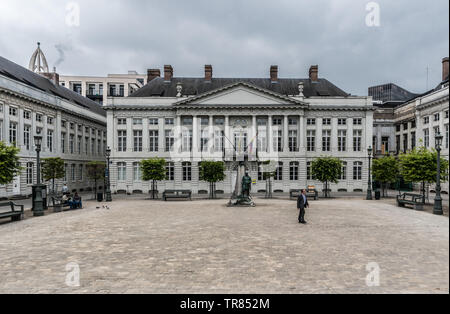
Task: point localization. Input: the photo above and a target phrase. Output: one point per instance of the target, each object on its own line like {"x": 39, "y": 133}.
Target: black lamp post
{"x": 438, "y": 199}
{"x": 38, "y": 202}
{"x": 108, "y": 182}
{"x": 369, "y": 188}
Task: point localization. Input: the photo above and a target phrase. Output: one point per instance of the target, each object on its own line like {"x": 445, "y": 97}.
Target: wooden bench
{"x": 167, "y": 194}
{"x": 415, "y": 200}
{"x": 12, "y": 212}
{"x": 294, "y": 193}
{"x": 311, "y": 192}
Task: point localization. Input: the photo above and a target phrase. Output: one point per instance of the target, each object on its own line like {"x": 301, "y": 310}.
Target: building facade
{"x": 72, "y": 127}
{"x": 287, "y": 121}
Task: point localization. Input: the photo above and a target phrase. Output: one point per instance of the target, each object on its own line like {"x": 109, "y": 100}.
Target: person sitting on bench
{"x": 75, "y": 202}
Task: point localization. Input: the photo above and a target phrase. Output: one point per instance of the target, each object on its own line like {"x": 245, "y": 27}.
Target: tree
{"x": 212, "y": 172}
{"x": 9, "y": 163}
{"x": 96, "y": 171}
{"x": 385, "y": 170}
{"x": 53, "y": 168}
{"x": 153, "y": 169}
{"x": 268, "y": 169}
{"x": 420, "y": 165}
{"x": 325, "y": 170}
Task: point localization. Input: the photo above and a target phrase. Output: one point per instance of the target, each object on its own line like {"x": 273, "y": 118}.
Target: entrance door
{"x": 16, "y": 185}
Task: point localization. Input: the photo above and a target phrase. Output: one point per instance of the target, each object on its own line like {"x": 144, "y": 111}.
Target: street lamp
{"x": 108, "y": 182}
{"x": 38, "y": 202}
{"x": 438, "y": 199}
{"x": 369, "y": 188}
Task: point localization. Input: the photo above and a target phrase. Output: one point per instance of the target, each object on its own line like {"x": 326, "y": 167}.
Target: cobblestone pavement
{"x": 143, "y": 246}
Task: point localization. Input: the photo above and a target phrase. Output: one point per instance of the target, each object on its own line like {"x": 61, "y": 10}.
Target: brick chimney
{"x": 168, "y": 73}
{"x": 314, "y": 73}
{"x": 444, "y": 68}
{"x": 208, "y": 73}
{"x": 274, "y": 73}
{"x": 152, "y": 74}
{"x": 53, "y": 76}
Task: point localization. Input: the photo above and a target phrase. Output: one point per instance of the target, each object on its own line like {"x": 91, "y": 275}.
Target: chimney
{"x": 208, "y": 73}
{"x": 53, "y": 76}
{"x": 152, "y": 74}
{"x": 314, "y": 73}
{"x": 274, "y": 73}
{"x": 444, "y": 68}
{"x": 168, "y": 73}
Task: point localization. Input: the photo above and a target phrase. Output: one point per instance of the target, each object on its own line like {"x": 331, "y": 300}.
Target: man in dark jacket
{"x": 302, "y": 204}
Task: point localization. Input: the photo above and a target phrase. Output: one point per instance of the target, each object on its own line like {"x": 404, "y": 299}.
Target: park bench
{"x": 11, "y": 212}
{"x": 311, "y": 192}
{"x": 416, "y": 200}
{"x": 167, "y": 194}
{"x": 294, "y": 193}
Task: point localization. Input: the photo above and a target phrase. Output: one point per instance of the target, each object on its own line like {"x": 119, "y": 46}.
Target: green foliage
{"x": 212, "y": 171}
{"x": 52, "y": 168}
{"x": 95, "y": 170}
{"x": 420, "y": 165}
{"x": 385, "y": 169}
{"x": 9, "y": 163}
{"x": 153, "y": 169}
{"x": 326, "y": 169}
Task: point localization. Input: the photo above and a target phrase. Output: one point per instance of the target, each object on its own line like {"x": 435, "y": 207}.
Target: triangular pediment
{"x": 240, "y": 94}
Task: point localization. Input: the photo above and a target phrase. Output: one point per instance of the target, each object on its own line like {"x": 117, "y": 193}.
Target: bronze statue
{"x": 246, "y": 185}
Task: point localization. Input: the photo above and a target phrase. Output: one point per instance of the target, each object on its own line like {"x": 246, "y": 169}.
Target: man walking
{"x": 302, "y": 204}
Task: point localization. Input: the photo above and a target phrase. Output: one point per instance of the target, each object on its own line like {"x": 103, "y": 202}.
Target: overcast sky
{"x": 240, "y": 38}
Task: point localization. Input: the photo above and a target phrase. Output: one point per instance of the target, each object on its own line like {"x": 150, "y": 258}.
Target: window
{"x": 311, "y": 141}
{"x": 405, "y": 142}
{"x": 311, "y": 121}
{"x": 342, "y": 140}
{"x": 426, "y": 138}
{"x": 170, "y": 171}
{"x": 204, "y": 140}
{"x": 187, "y": 140}
{"x": 1, "y": 130}
{"x": 413, "y": 124}
{"x": 342, "y": 121}
{"x": 80, "y": 173}
{"x": 326, "y": 121}
{"x": 293, "y": 170}
{"x": 357, "y": 138}
{"x": 1, "y": 107}
{"x": 413, "y": 140}
{"x": 137, "y": 171}
{"x": 30, "y": 167}
{"x": 38, "y": 117}
{"x": 50, "y": 120}
{"x": 326, "y": 140}
{"x": 446, "y": 114}
{"x": 293, "y": 141}
{"x": 86, "y": 145}
{"x": 26, "y": 136}
{"x": 79, "y": 143}
{"x": 13, "y": 133}
{"x": 137, "y": 137}
{"x": 240, "y": 141}
{"x": 261, "y": 122}
{"x": 446, "y": 137}
{"x": 357, "y": 170}
{"x": 279, "y": 172}
{"x": 71, "y": 143}
{"x": 137, "y": 121}
{"x": 13, "y": 111}
{"x": 169, "y": 139}
{"x": 72, "y": 126}
{"x": 63, "y": 142}
{"x": 357, "y": 121}
{"x": 437, "y": 116}
{"x": 122, "y": 121}
{"x": 405, "y": 126}
{"x": 385, "y": 144}
{"x": 99, "y": 147}
{"x": 187, "y": 171}
{"x": 122, "y": 141}
{"x": 397, "y": 140}
{"x": 121, "y": 171}
{"x": 278, "y": 140}
{"x": 204, "y": 121}
{"x": 277, "y": 121}
{"x": 154, "y": 141}
{"x": 426, "y": 120}
{"x": 169, "y": 121}
{"x": 187, "y": 121}
{"x": 398, "y": 128}
{"x": 262, "y": 140}
{"x": 293, "y": 121}
{"x": 92, "y": 146}
{"x": 27, "y": 115}
{"x": 219, "y": 138}
{"x": 50, "y": 140}
{"x": 72, "y": 172}
{"x": 153, "y": 121}
{"x": 63, "y": 124}
{"x": 344, "y": 171}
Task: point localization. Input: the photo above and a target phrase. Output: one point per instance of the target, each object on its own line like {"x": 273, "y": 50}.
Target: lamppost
{"x": 38, "y": 202}
{"x": 108, "y": 182}
{"x": 438, "y": 199}
{"x": 369, "y": 188}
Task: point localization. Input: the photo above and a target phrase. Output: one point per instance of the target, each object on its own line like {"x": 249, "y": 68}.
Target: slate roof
{"x": 20, "y": 74}
{"x": 197, "y": 86}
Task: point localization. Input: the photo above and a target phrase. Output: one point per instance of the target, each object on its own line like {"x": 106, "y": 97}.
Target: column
{"x": 57, "y": 134}
{"x": 145, "y": 135}
{"x": 130, "y": 145}
{"x": 286, "y": 134}
{"x": 227, "y": 134}
{"x": 161, "y": 126}
{"x": 270, "y": 135}
{"x": 195, "y": 146}
{"x": 177, "y": 135}
{"x": 20, "y": 126}
{"x": 211, "y": 135}
{"x": 301, "y": 133}
{"x": 334, "y": 135}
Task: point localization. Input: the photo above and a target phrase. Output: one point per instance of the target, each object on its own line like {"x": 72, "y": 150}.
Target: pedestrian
{"x": 302, "y": 204}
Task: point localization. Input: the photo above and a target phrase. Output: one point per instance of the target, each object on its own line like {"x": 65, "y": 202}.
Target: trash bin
{"x": 377, "y": 195}
{"x": 100, "y": 197}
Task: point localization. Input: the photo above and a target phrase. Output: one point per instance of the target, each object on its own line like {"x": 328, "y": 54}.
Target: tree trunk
{"x": 95, "y": 189}
{"x": 423, "y": 191}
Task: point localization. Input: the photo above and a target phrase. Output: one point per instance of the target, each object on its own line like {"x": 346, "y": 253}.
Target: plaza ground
{"x": 144, "y": 246}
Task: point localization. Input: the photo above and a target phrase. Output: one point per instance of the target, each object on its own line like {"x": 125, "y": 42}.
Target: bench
{"x": 294, "y": 193}
{"x": 416, "y": 200}
{"x": 12, "y": 212}
{"x": 311, "y": 192}
{"x": 177, "y": 194}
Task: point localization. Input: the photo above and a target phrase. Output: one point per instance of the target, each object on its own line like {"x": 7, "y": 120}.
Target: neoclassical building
{"x": 287, "y": 121}
{"x": 73, "y": 127}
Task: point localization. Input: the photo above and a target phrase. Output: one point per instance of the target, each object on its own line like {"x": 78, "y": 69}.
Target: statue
{"x": 241, "y": 195}
{"x": 246, "y": 185}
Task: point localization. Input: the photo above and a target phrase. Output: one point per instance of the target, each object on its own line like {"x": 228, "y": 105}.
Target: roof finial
{"x": 38, "y": 62}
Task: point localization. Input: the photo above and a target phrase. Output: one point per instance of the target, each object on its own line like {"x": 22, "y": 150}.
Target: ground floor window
{"x": 279, "y": 172}
{"x": 137, "y": 171}
{"x": 357, "y": 170}
{"x": 121, "y": 171}
{"x": 293, "y": 171}
{"x": 187, "y": 171}
{"x": 170, "y": 171}
{"x": 344, "y": 171}
{"x": 30, "y": 167}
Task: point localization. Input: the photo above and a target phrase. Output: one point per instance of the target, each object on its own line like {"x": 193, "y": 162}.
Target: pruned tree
{"x": 95, "y": 170}
{"x": 153, "y": 169}
{"x": 212, "y": 172}
{"x": 385, "y": 170}
{"x": 53, "y": 169}
{"x": 9, "y": 163}
{"x": 326, "y": 170}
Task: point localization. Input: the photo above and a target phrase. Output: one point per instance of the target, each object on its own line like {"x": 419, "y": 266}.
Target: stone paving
{"x": 144, "y": 246}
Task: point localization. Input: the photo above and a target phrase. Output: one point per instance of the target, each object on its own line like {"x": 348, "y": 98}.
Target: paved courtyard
{"x": 143, "y": 246}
